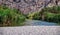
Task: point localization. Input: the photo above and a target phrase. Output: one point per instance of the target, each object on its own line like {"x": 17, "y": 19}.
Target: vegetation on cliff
{"x": 50, "y": 14}
{"x": 10, "y": 17}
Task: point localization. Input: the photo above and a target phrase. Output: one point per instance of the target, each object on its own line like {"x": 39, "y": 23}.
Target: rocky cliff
{"x": 27, "y": 6}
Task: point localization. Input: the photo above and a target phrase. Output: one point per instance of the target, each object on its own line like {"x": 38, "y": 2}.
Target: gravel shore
{"x": 30, "y": 30}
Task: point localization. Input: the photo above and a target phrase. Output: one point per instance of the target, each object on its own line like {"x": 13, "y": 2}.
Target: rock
{"x": 31, "y": 30}
{"x": 26, "y": 6}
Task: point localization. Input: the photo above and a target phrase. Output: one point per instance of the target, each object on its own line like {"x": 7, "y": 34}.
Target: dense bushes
{"x": 10, "y": 17}
{"x": 35, "y": 16}
{"x": 51, "y": 17}
{"x": 54, "y": 9}
{"x": 51, "y": 14}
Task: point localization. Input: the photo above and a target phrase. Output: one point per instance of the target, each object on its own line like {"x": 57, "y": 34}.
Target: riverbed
{"x": 30, "y": 30}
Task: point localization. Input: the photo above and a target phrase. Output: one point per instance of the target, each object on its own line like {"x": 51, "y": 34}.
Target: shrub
{"x": 35, "y": 16}
{"x": 51, "y": 14}
{"x": 10, "y": 17}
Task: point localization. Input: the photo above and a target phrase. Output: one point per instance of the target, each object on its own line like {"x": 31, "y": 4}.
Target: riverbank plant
{"x": 50, "y": 14}
{"x": 10, "y": 17}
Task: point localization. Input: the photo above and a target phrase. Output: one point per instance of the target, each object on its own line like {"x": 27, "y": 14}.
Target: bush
{"x": 51, "y": 14}
{"x": 51, "y": 17}
{"x": 35, "y": 16}
{"x": 10, "y": 17}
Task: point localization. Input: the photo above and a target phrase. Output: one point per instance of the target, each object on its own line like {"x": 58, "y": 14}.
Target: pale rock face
{"x": 0, "y": 2}
{"x": 26, "y": 6}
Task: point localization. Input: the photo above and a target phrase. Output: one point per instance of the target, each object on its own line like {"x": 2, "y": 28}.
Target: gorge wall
{"x": 27, "y": 6}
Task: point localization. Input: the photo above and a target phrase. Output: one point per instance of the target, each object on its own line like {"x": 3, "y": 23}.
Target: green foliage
{"x": 51, "y": 14}
{"x": 51, "y": 17}
{"x": 10, "y": 17}
{"x": 35, "y": 16}
{"x": 54, "y": 9}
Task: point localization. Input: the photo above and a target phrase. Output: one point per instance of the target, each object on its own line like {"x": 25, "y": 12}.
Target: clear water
{"x": 43, "y": 23}
{"x": 40, "y": 23}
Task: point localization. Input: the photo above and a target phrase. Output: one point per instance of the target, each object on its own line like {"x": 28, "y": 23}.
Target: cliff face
{"x": 27, "y": 6}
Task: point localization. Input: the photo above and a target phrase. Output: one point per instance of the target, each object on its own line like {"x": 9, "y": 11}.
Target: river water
{"x": 40, "y": 23}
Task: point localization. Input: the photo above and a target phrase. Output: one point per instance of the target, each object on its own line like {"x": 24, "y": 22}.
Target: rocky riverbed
{"x": 30, "y": 30}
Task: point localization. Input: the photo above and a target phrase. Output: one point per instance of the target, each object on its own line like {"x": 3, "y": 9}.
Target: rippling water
{"x": 40, "y": 23}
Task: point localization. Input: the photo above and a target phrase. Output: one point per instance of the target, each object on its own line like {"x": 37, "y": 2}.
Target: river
{"x": 39, "y": 23}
